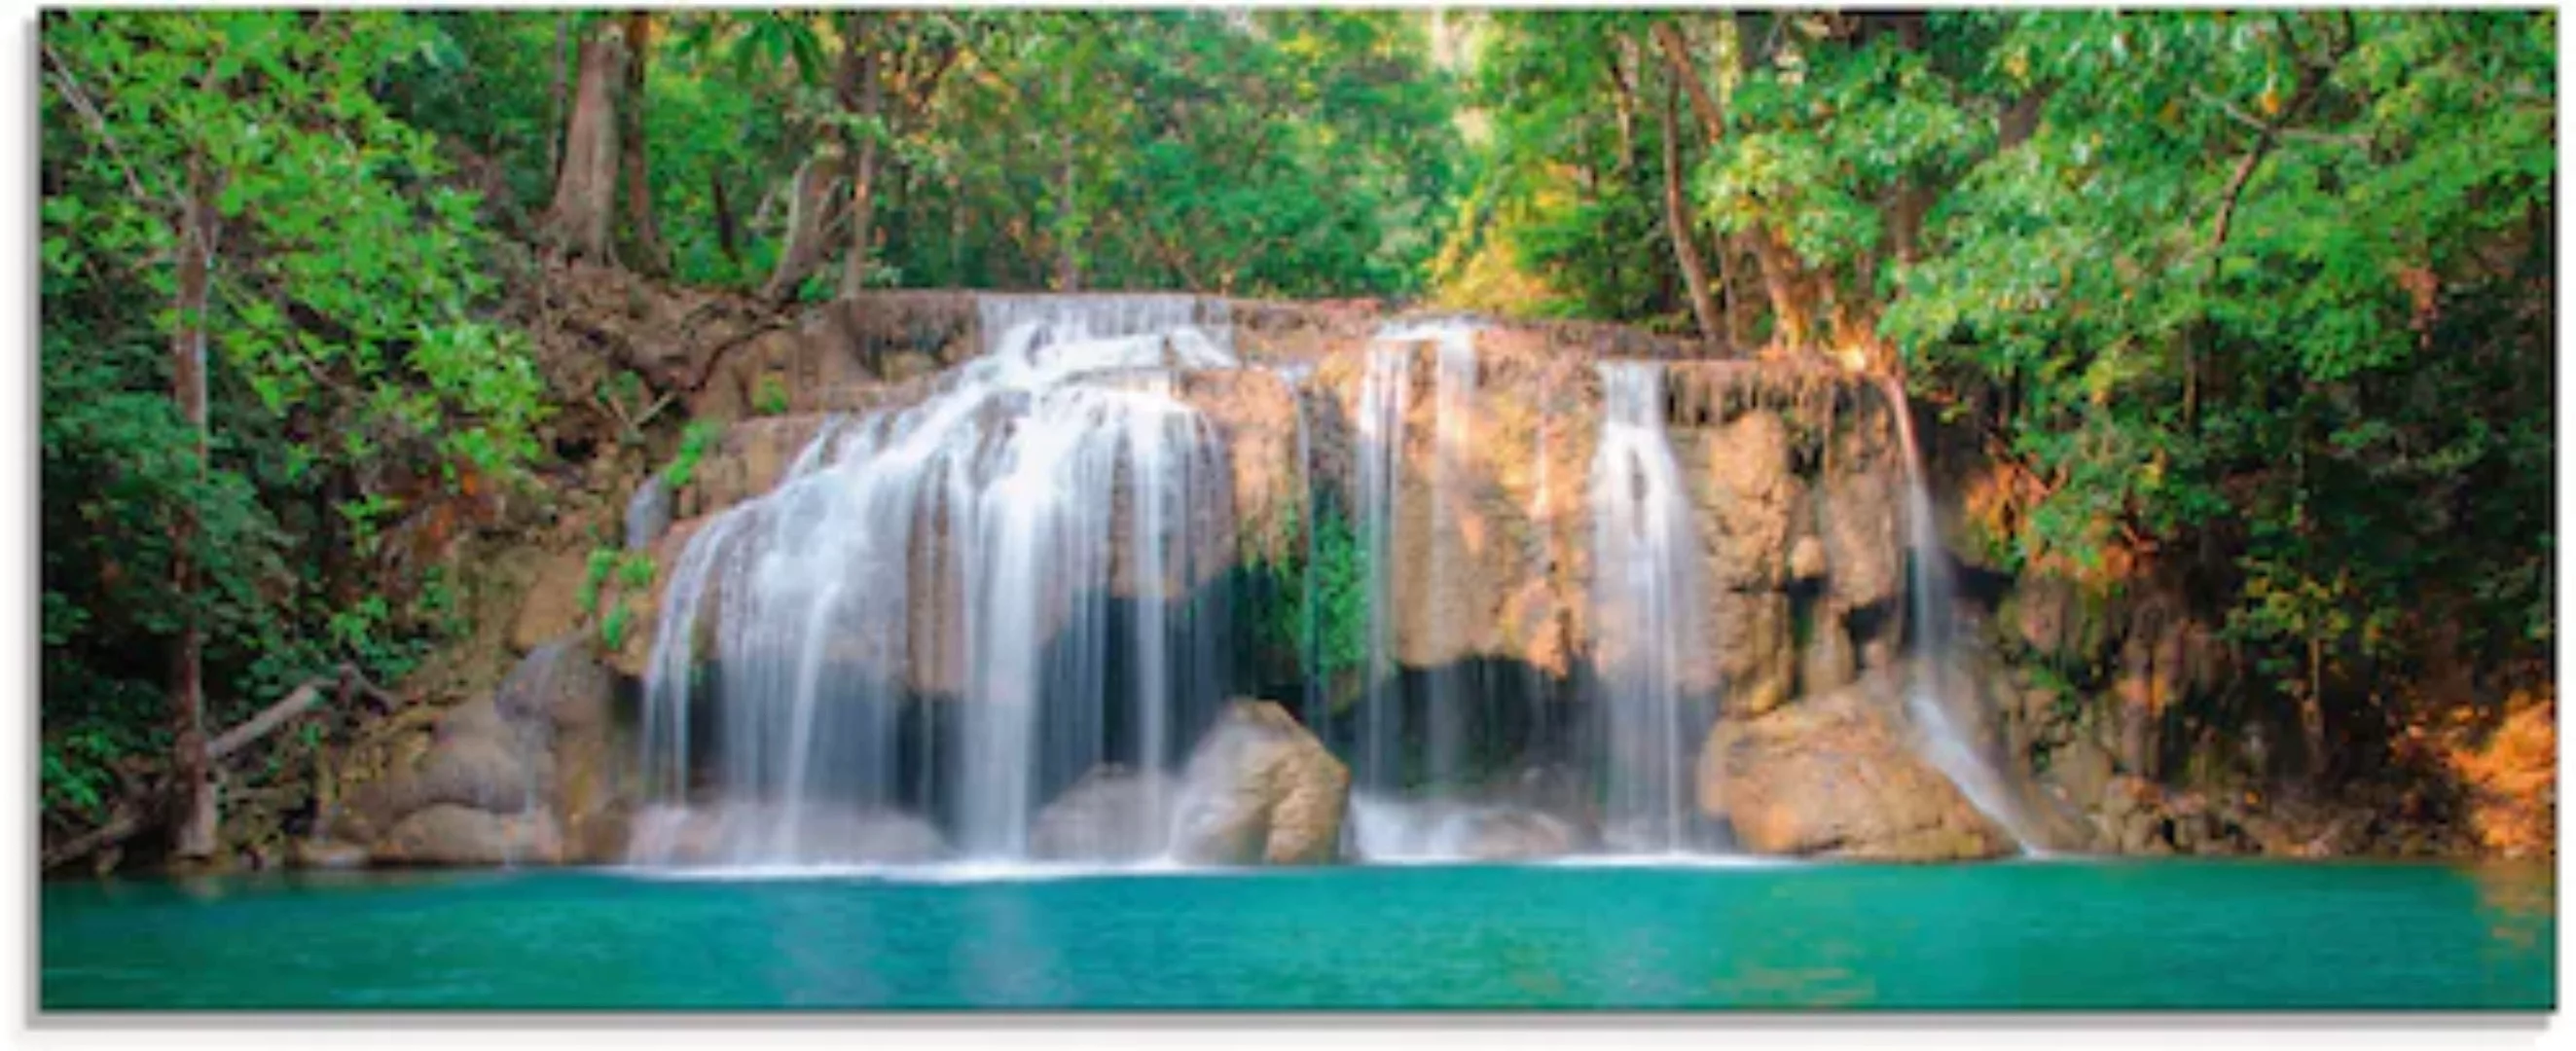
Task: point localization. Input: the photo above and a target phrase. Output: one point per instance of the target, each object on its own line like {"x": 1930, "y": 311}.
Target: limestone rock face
{"x": 1863, "y": 541}
{"x": 1828, "y": 663}
{"x": 1259, "y": 789}
{"x": 1757, "y": 657}
{"x": 527, "y": 775}
{"x": 1833, "y": 775}
{"x": 1111, "y": 815}
{"x": 552, "y": 608}
{"x": 747, "y": 461}
{"x": 447, "y": 834}
{"x": 1751, "y": 497}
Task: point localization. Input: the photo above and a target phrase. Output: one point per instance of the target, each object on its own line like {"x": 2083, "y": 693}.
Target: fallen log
{"x": 127, "y": 819}
{"x": 121, "y": 826}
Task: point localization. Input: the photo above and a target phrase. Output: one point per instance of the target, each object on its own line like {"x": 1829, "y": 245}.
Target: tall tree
{"x": 581, "y": 221}
{"x": 648, "y": 254}
{"x": 1678, "y": 224}
{"x": 183, "y": 167}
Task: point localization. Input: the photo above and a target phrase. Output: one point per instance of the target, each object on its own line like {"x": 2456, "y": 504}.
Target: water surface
{"x": 2129, "y": 935}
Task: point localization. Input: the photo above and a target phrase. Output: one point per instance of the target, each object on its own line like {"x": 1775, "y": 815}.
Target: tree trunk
{"x": 728, "y": 229}
{"x": 196, "y": 818}
{"x": 649, "y": 256}
{"x": 1677, "y": 221}
{"x": 1785, "y": 280}
{"x": 1068, "y": 268}
{"x": 1624, "y": 104}
{"x": 809, "y": 222}
{"x": 556, "y": 88}
{"x": 863, "y": 177}
{"x": 580, "y": 220}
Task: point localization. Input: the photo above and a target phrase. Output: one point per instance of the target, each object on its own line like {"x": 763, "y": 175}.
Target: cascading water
{"x": 1310, "y": 631}
{"x": 1453, "y": 396}
{"x": 1384, "y": 392}
{"x": 1647, "y": 601}
{"x": 967, "y": 545}
{"x": 1931, "y": 589}
{"x": 1387, "y": 819}
{"x": 648, "y": 513}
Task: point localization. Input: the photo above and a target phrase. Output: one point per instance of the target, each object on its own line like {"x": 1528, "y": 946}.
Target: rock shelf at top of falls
{"x": 1523, "y": 599}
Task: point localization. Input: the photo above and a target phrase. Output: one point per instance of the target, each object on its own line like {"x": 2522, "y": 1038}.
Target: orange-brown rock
{"x": 1833, "y": 775}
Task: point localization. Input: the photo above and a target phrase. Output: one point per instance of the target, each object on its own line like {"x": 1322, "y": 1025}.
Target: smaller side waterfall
{"x": 1930, "y": 588}
{"x": 648, "y": 513}
{"x": 1648, "y": 606}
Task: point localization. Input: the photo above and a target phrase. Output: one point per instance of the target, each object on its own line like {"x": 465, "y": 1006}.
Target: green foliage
{"x": 603, "y": 562}
{"x": 358, "y": 389}
{"x": 771, "y": 397}
{"x": 635, "y": 570}
{"x": 2333, "y": 418}
{"x": 694, "y": 442}
{"x": 2347, "y": 394}
{"x": 612, "y": 628}
{"x": 1340, "y": 582}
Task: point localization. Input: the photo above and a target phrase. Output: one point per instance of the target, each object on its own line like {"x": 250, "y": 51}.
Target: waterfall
{"x": 1930, "y": 588}
{"x": 1648, "y": 607}
{"x": 959, "y": 560}
{"x": 1384, "y": 391}
{"x": 1384, "y": 402}
{"x": 1453, "y": 405}
{"x": 648, "y": 513}
{"x": 1310, "y": 629}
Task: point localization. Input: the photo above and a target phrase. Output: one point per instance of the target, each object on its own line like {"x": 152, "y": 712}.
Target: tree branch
{"x": 2356, "y": 141}
{"x": 79, "y": 99}
{"x": 303, "y": 698}
{"x": 1712, "y": 121}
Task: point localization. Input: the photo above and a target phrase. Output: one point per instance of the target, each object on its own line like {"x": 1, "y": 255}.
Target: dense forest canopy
{"x": 2256, "y": 302}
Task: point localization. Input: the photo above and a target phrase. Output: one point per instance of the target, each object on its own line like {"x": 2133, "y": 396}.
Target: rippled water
{"x": 2038, "y": 935}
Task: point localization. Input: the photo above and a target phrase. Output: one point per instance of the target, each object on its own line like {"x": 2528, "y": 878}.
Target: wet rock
{"x": 746, "y": 462}
{"x": 1862, "y": 540}
{"x": 326, "y": 854}
{"x": 447, "y": 834}
{"x": 541, "y": 743}
{"x": 1832, "y": 775}
{"x": 811, "y": 835}
{"x": 2083, "y": 768}
{"x": 1260, "y": 789}
{"x": 558, "y": 685}
{"x": 552, "y": 607}
{"x": 1756, "y": 650}
{"x": 1513, "y": 834}
{"x": 1111, "y": 815}
{"x": 1807, "y": 559}
{"x": 1829, "y": 663}
{"x": 1752, "y": 493}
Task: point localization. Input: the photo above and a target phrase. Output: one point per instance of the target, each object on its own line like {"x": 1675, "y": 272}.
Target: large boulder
{"x": 1259, "y": 789}
{"x": 552, "y": 607}
{"x": 447, "y": 834}
{"x": 538, "y": 759}
{"x": 1834, "y": 775}
{"x": 1111, "y": 815}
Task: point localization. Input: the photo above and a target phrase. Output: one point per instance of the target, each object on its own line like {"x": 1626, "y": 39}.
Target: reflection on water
{"x": 2060, "y": 935}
